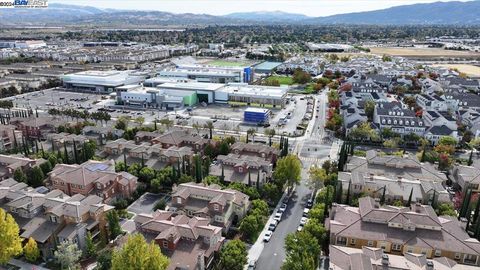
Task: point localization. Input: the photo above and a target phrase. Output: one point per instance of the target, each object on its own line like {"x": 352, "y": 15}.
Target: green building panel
{"x": 190, "y": 100}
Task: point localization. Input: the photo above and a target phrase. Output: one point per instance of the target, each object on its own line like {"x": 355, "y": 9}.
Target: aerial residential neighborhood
{"x": 230, "y": 135}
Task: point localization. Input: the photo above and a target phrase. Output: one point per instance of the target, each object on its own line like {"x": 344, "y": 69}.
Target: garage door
{"x": 202, "y": 98}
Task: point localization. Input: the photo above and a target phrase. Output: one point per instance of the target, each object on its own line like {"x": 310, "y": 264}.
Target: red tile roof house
{"x": 182, "y": 138}
{"x": 8, "y": 164}
{"x": 93, "y": 177}
{"x": 221, "y": 207}
{"x": 402, "y": 230}
{"x": 36, "y": 127}
{"x": 190, "y": 243}
{"x": 257, "y": 150}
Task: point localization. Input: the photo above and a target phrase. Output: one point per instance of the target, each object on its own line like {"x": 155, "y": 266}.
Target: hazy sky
{"x": 221, "y": 7}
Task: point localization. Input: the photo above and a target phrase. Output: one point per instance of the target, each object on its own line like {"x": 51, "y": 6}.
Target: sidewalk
{"x": 26, "y": 266}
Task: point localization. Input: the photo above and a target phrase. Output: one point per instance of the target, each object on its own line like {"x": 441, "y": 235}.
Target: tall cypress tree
{"x": 66, "y": 153}
{"x": 125, "y": 161}
{"x": 382, "y": 199}
{"x": 249, "y": 178}
{"x": 222, "y": 177}
{"x": 410, "y": 197}
{"x": 258, "y": 179}
{"x": 75, "y": 154}
{"x": 470, "y": 159}
{"x": 466, "y": 202}
{"x": 347, "y": 199}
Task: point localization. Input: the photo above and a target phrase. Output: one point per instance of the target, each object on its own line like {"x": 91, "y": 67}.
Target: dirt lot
{"x": 421, "y": 52}
{"x": 470, "y": 70}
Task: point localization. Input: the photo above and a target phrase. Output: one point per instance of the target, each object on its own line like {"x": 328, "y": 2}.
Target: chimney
{"x": 430, "y": 266}
{"x": 385, "y": 260}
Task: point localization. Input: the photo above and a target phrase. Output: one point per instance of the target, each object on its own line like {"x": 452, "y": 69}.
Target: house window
{"x": 216, "y": 207}
{"x": 352, "y": 241}
{"x": 179, "y": 200}
{"x": 457, "y": 256}
{"x": 397, "y": 247}
{"x": 240, "y": 169}
{"x": 165, "y": 244}
{"x": 370, "y": 243}
{"x": 341, "y": 240}
{"x": 438, "y": 253}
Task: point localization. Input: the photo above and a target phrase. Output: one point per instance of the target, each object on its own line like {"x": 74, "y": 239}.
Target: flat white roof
{"x": 110, "y": 78}
{"x": 193, "y": 86}
{"x": 255, "y": 90}
{"x": 259, "y": 110}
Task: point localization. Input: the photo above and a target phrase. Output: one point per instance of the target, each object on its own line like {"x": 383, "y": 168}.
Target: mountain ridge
{"x": 437, "y": 13}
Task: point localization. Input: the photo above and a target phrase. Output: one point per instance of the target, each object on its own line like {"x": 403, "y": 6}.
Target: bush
{"x": 160, "y": 205}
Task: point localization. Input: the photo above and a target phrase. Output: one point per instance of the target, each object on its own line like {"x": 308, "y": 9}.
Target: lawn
{"x": 470, "y": 70}
{"x": 226, "y": 63}
{"x": 282, "y": 79}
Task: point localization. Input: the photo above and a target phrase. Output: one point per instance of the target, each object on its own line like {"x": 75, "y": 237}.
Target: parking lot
{"x": 223, "y": 116}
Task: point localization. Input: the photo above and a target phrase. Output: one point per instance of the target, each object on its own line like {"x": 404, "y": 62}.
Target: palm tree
{"x": 210, "y": 127}
{"x": 270, "y": 133}
{"x": 251, "y": 132}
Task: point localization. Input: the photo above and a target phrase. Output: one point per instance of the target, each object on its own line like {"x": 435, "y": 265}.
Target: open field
{"x": 470, "y": 70}
{"x": 227, "y": 63}
{"x": 421, "y": 52}
{"x": 281, "y": 79}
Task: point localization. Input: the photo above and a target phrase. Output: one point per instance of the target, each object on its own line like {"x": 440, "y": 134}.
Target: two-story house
{"x": 8, "y": 165}
{"x": 220, "y": 207}
{"x": 93, "y": 177}
{"x": 189, "y": 242}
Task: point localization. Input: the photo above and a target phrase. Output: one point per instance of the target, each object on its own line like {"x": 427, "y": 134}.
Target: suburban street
{"x": 312, "y": 149}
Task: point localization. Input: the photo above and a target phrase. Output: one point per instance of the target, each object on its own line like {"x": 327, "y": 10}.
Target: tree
{"x": 90, "y": 248}
{"x": 251, "y": 132}
{"x": 410, "y": 198}
{"x": 369, "y": 109}
{"x": 301, "y": 77}
{"x": 299, "y": 261}
{"x": 67, "y": 255}
{"x": 270, "y": 132}
{"x": 249, "y": 227}
{"x": 446, "y": 209}
{"x": 209, "y": 125}
{"x": 317, "y": 177}
{"x": 19, "y": 175}
{"x": 146, "y": 174}
{"x": 364, "y": 132}
{"x": 300, "y": 242}
{"x": 233, "y": 255}
{"x": 140, "y": 120}
{"x": 35, "y": 177}
{"x": 160, "y": 205}
{"x": 447, "y": 140}
{"x": 31, "y": 251}
{"x": 136, "y": 253}
{"x": 104, "y": 260}
{"x": 10, "y": 241}
{"x": 316, "y": 229}
{"x": 288, "y": 171}
{"x": 114, "y": 228}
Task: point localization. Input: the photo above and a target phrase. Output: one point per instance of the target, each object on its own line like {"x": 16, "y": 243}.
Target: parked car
{"x": 300, "y": 228}
{"x": 267, "y": 236}
{"x": 305, "y": 212}
{"x": 303, "y": 221}
{"x": 309, "y": 203}
{"x": 252, "y": 265}
{"x": 273, "y": 225}
{"x": 283, "y": 207}
{"x": 278, "y": 216}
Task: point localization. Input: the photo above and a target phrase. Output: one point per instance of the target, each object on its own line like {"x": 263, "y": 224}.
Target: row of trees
{"x": 78, "y": 114}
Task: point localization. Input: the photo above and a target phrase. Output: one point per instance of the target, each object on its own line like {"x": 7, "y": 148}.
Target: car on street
{"x": 300, "y": 228}
{"x": 309, "y": 203}
{"x": 267, "y": 236}
{"x": 278, "y": 216}
{"x": 305, "y": 212}
{"x": 273, "y": 225}
{"x": 303, "y": 221}
{"x": 252, "y": 265}
{"x": 283, "y": 207}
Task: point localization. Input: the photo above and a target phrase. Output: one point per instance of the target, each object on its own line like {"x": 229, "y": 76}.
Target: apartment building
{"x": 398, "y": 119}
{"x": 9, "y": 136}
{"x": 92, "y": 177}
{"x": 190, "y": 242}
{"x": 220, "y": 207}
{"x": 402, "y": 230}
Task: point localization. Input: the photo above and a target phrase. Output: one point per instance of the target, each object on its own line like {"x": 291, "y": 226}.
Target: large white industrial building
{"x": 100, "y": 81}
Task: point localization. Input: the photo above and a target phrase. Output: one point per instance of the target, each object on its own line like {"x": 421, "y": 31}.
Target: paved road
{"x": 273, "y": 254}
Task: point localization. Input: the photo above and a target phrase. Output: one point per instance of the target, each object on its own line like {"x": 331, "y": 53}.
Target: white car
{"x": 283, "y": 208}
{"x": 278, "y": 216}
{"x": 305, "y": 212}
{"x": 300, "y": 228}
{"x": 267, "y": 236}
{"x": 303, "y": 221}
